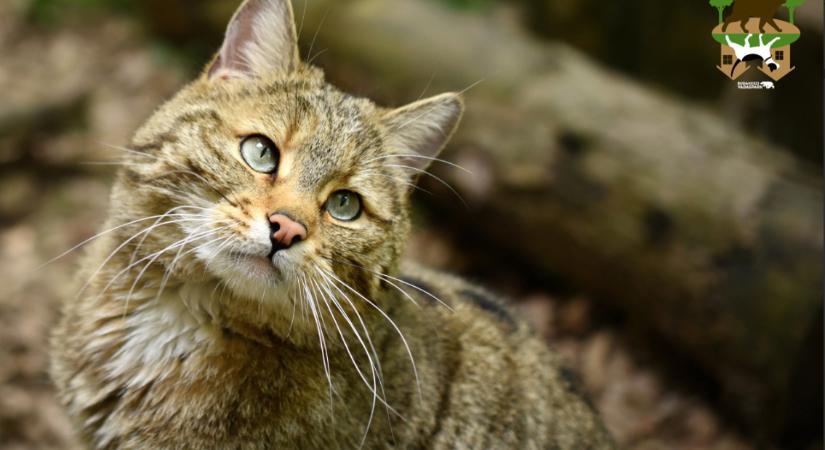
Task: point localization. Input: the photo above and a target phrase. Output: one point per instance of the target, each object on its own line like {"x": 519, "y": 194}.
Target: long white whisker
{"x": 143, "y": 239}
{"x": 387, "y": 317}
{"x": 156, "y": 255}
{"x": 100, "y": 234}
{"x": 168, "y": 273}
{"x": 440, "y": 180}
{"x": 415, "y": 156}
{"x": 130, "y": 151}
{"x": 398, "y": 180}
{"x": 328, "y": 286}
{"x": 150, "y": 256}
{"x": 375, "y": 376}
{"x": 121, "y": 246}
{"x": 324, "y": 357}
{"x": 317, "y": 30}
{"x": 110, "y": 163}
{"x": 388, "y": 278}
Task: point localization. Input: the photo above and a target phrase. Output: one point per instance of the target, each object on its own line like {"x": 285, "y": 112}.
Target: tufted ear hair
{"x": 260, "y": 39}
{"x": 418, "y": 132}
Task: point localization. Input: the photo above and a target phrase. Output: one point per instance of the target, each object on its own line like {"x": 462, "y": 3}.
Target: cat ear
{"x": 260, "y": 39}
{"x": 417, "y": 132}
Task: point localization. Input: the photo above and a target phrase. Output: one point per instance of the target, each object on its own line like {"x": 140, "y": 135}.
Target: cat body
{"x": 247, "y": 291}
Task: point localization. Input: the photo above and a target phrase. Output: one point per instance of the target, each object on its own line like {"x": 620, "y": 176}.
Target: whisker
{"x": 303, "y": 16}
{"x": 440, "y": 180}
{"x": 377, "y": 363}
{"x": 317, "y": 30}
{"x": 464, "y": 91}
{"x": 109, "y": 163}
{"x": 398, "y": 180}
{"x": 426, "y": 87}
{"x": 416, "y": 156}
{"x": 121, "y": 246}
{"x": 392, "y": 323}
{"x": 375, "y": 376}
{"x": 100, "y": 234}
{"x": 324, "y": 357}
{"x": 143, "y": 239}
{"x": 129, "y": 150}
{"x": 310, "y": 60}
{"x": 170, "y": 247}
{"x": 168, "y": 273}
{"x": 387, "y": 278}
{"x": 156, "y": 255}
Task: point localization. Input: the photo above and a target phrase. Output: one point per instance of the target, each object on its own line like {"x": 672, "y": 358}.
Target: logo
{"x": 752, "y": 38}
{"x": 755, "y": 85}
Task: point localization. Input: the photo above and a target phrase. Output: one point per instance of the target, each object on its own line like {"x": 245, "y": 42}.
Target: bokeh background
{"x": 662, "y": 228}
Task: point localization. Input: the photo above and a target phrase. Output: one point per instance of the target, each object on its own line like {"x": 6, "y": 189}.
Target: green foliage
{"x": 792, "y": 5}
{"x": 739, "y": 38}
{"x": 720, "y": 6}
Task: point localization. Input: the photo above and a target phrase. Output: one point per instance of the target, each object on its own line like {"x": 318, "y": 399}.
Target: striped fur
{"x": 185, "y": 336}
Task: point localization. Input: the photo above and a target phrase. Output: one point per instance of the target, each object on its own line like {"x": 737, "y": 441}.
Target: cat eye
{"x": 344, "y": 205}
{"x": 260, "y": 153}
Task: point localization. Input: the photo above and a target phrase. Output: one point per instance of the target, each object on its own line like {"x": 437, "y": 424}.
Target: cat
{"x": 247, "y": 291}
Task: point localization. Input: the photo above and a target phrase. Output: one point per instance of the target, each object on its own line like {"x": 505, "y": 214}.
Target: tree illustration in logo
{"x": 720, "y": 6}
{"x": 792, "y": 5}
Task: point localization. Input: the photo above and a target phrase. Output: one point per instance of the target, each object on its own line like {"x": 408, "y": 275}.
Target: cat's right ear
{"x": 260, "y": 39}
{"x": 417, "y": 132}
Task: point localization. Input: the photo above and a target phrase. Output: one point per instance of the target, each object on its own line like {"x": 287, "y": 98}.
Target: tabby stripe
{"x": 487, "y": 304}
{"x": 156, "y": 144}
{"x": 446, "y": 396}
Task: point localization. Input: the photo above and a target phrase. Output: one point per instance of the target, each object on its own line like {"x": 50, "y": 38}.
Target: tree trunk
{"x": 663, "y": 209}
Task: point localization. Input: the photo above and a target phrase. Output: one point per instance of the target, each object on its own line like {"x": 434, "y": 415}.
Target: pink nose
{"x": 285, "y": 231}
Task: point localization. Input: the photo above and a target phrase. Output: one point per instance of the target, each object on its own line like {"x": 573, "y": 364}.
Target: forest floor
{"x": 72, "y": 91}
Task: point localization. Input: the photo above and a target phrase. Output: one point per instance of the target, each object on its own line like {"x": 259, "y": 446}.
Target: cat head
{"x": 273, "y": 183}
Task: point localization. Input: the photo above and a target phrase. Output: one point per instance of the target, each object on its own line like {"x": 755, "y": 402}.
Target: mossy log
{"x": 706, "y": 235}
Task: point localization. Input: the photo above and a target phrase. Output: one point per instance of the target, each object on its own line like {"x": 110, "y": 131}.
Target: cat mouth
{"x": 257, "y": 262}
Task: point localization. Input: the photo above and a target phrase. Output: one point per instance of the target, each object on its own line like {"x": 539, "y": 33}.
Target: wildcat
{"x": 247, "y": 292}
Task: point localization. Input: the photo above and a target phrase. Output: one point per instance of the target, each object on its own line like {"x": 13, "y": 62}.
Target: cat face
{"x": 277, "y": 182}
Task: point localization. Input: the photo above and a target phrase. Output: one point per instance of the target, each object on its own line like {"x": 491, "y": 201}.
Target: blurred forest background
{"x": 664, "y": 229}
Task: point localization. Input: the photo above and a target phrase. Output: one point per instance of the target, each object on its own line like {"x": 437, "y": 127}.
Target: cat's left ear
{"x": 260, "y": 39}
{"x": 418, "y": 132}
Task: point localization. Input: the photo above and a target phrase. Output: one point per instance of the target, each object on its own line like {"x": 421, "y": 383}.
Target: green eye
{"x": 344, "y": 205}
{"x": 260, "y": 153}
